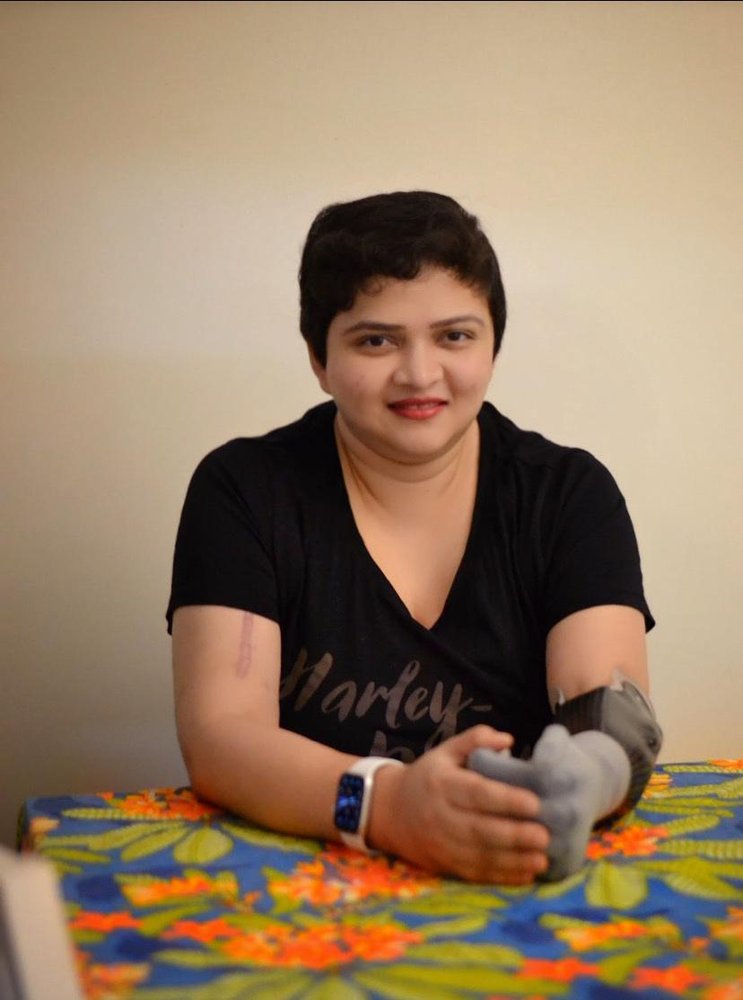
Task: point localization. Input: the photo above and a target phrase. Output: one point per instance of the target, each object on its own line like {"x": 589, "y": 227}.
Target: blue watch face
{"x": 348, "y": 802}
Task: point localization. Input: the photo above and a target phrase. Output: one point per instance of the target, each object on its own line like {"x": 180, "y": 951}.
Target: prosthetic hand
{"x": 580, "y": 778}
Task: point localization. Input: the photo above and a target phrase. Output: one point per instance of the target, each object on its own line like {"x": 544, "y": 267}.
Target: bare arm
{"x": 434, "y": 812}
{"x": 584, "y": 777}
{"x": 226, "y": 667}
{"x": 584, "y": 649}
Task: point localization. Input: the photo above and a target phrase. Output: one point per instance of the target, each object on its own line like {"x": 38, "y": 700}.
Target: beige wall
{"x": 161, "y": 163}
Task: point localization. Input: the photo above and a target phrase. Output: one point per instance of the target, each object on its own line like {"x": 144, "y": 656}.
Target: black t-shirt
{"x": 267, "y": 527}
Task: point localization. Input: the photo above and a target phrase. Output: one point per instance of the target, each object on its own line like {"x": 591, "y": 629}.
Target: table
{"x": 169, "y": 898}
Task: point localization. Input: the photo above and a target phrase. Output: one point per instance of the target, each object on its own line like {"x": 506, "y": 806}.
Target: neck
{"x": 400, "y": 488}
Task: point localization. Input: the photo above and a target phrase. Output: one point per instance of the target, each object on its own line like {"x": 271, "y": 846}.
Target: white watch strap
{"x": 365, "y": 767}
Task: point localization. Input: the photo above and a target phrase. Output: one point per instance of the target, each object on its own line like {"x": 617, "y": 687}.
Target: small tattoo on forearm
{"x": 244, "y": 653}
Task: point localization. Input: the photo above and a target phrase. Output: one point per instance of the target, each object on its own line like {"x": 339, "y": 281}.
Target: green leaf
{"x": 551, "y": 890}
{"x": 702, "y": 885}
{"x": 234, "y": 986}
{"x": 616, "y": 887}
{"x": 724, "y": 789}
{"x": 309, "y": 920}
{"x": 453, "y": 928}
{"x": 265, "y": 838}
{"x": 296, "y": 984}
{"x": 111, "y": 839}
{"x": 723, "y": 869}
{"x": 723, "y": 850}
{"x": 698, "y": 877}
{"x": 616, "y": 970}
{"x": 333, "y": 988}
{"x": 75, "y": 854}
{"x": 688, "y": 807}
{"x": 731, "y": 789}
{"x": 462, "y": 952}
{"x": 154, "y": 924}
{"x": 285, "y": 904}
{"x": 272, "y": 874}
{"x": 95, "y": 814}
{"x": 65, "y": 868}
{"x": 556, "y": 921}
{"x": 378, "y": 982}
{"x": 727, "y": 869}
{"x": 187, "y": 958}
{"x": 153, "y": 843}
{"x": 695, "y": 769}
{"x": 87, "y": 937}
{"x": 202, "y": 846}
{"x": 451, "y": 904}
{"x": 464, "y": 977}
{"x": 692, "y": 824}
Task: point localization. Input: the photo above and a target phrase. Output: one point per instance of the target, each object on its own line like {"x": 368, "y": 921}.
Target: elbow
{"x": 196, "y": 763}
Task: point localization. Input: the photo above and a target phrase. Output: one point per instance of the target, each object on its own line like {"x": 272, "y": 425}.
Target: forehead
{"x": 432, "y": 295}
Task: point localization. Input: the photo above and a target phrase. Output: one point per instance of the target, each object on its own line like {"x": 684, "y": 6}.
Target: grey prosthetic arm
{"x": 595, "y": 762}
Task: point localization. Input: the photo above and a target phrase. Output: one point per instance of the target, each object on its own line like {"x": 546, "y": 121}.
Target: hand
{"x": 577, "y": 778}
{"x": 437, "y": 814}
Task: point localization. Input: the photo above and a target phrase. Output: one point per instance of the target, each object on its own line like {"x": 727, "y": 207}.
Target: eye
{"x": 457, "y": 336}
{"x": 373, "y": 341}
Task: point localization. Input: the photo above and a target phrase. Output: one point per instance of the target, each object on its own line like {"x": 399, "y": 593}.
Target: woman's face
{"x": 409, "y": 364}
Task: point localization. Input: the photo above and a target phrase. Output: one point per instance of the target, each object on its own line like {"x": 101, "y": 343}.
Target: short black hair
{"x": 391, "y": 235}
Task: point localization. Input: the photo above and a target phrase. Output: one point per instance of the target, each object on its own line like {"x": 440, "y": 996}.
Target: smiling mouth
{"x": 418, "y": 409}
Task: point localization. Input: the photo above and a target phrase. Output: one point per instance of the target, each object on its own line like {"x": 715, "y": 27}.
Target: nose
{"x": 418, "y": 366}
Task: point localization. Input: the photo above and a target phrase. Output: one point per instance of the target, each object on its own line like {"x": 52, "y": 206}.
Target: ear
{"x": 318, "y": 369}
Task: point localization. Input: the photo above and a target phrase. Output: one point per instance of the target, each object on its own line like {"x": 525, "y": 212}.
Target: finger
{"x": 505, "y": 867}
{"x": 471, "y": 792}
{"x": 494, "y": 833}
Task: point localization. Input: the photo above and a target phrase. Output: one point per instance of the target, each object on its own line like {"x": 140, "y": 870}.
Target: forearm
{"x": 269, "y": 775}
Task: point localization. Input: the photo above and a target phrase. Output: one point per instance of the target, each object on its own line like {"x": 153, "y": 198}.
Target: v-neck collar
{"x": 375, "y": 569}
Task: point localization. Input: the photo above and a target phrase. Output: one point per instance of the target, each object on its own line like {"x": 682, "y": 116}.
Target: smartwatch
{"x": 353, "y": 801}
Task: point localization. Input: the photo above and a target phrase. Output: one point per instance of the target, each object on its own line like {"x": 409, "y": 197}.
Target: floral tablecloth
{"x": 171, "y": 899}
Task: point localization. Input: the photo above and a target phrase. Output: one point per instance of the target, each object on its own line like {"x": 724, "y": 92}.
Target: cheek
{"x": 474, "y": 377}
{"x": 349, "y": 380}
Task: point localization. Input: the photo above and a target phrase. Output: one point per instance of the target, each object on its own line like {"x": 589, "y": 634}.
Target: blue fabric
{"x": 169, "y": 899}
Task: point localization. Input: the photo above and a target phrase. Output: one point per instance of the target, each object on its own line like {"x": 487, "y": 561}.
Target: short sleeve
{"x": 223, "y": 546}
{"x": 593, "y": 555}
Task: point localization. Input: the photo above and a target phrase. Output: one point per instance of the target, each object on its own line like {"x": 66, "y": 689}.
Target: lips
{"x": 418, "y": 408}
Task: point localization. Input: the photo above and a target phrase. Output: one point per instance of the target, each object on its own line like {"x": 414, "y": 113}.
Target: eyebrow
{"x": 365, "y": 324}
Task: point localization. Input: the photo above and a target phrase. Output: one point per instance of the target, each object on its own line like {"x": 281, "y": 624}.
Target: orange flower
{"x": 730, "y": 928}
{"x": 342, "y": 875}
{"x": 164, "y": 803}
{"x": 561, "y": 970}
{"x": 152, "y": 891}
{"x": 725, "y": 991}
{"x": 205, "y": 932}
{"x": 37, "y": 830}
{"x": 308, "y": 882}
{"x": 698, "y": 945}
{"x": 632, "y": 842}
{"x": 658, "y": 784}
{"x": 320, "y": 947}
{"x": 593, "y": 936}
{"x": 381, "y": 943}
{"x": 677, "y": 979}
{"x": 104, "y": 922}
{"x": 108, "y": 982}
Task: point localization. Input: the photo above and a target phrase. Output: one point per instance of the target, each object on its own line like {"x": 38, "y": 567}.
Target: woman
{"x": 401, "y": 574}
